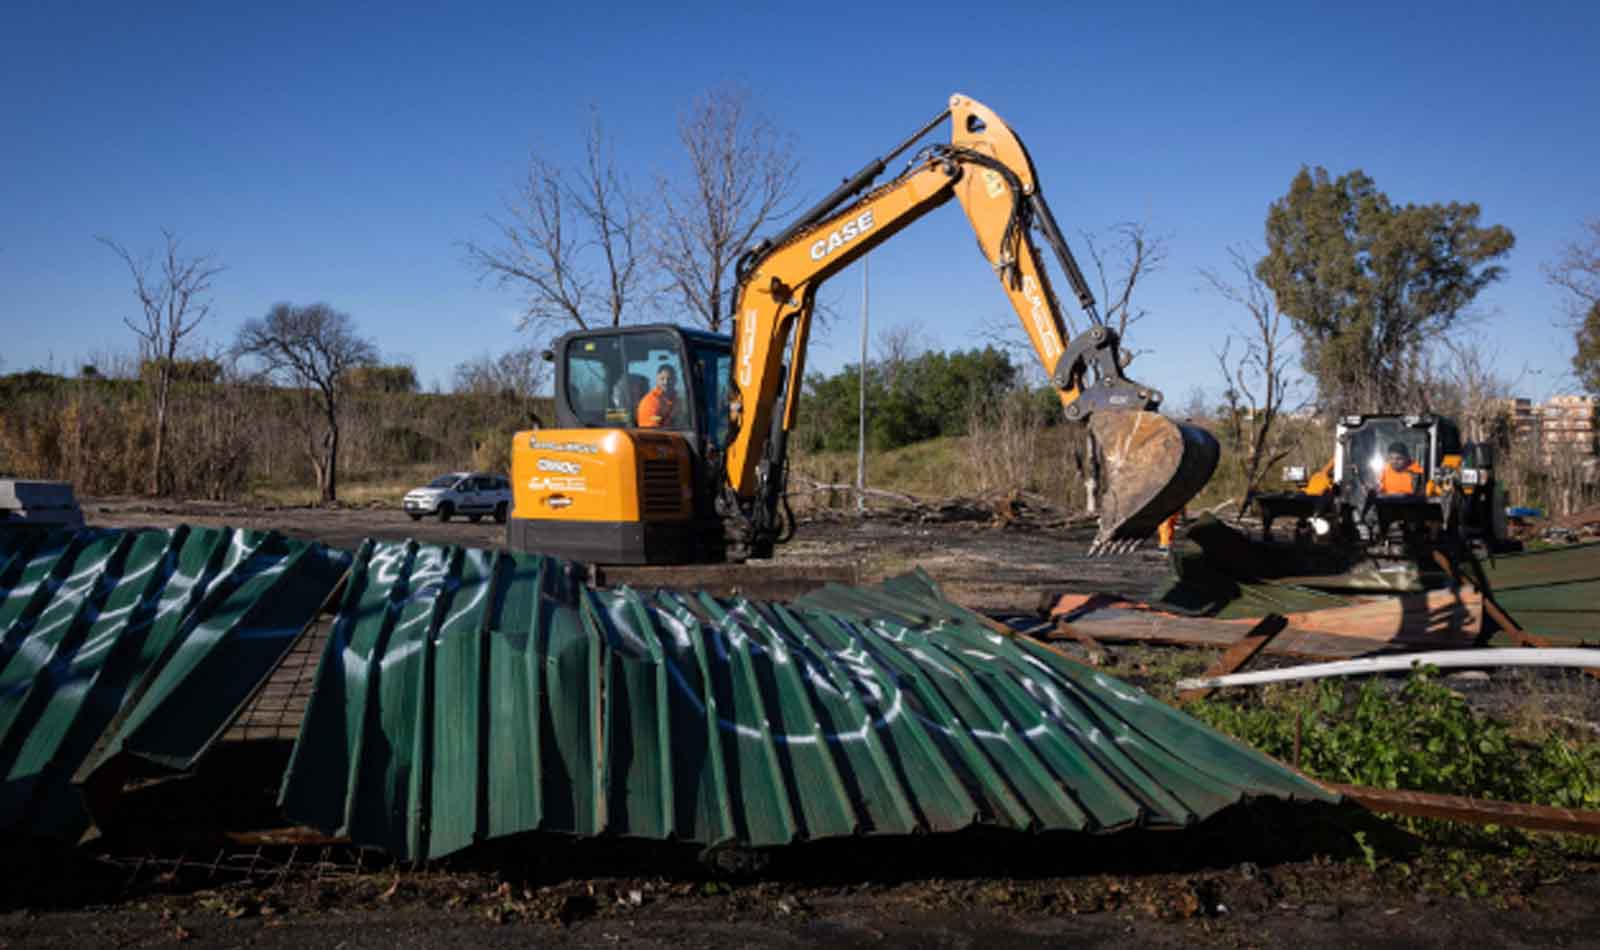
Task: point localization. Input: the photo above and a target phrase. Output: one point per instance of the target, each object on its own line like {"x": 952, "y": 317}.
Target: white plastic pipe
{"x": 1444, "y": 659}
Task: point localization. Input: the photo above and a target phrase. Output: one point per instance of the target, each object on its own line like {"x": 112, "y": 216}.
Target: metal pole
{"x": 861, "y": 421}
{"x": 1579, "y": 657}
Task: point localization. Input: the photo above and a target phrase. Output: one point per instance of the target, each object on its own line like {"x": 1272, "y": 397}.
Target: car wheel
{"x": 415, "y": 515}
{"x": 500, "y": 513}
{"x": 446, "y": 510}
{"x": 475, "y": 518}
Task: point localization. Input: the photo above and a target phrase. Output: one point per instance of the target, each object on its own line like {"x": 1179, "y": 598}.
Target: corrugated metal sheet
{"x": 1554, "y": 592}
{"x": 468, "y": 695}
{"x": 138, "y": 643}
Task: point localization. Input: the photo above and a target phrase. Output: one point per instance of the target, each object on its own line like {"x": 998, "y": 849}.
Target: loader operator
{"x": 660, "y": 404}
{"x": 1402, "y": 475}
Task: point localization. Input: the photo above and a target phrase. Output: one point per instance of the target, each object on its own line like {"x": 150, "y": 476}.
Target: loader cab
{"x": 1363, "y": 443}
{"x": 602, "y": 377}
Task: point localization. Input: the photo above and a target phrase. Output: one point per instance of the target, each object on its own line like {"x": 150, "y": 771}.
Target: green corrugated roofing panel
{"x": 1553, "y": 592}
{"x": 467, "y": 695}
{"x": 136, "y": 642}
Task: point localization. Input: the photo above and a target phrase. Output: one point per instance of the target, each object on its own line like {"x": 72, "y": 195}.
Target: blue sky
{"x": 342, "y": 152}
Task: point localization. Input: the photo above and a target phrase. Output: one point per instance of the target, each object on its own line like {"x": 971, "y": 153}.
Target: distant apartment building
{"x": 1569, "y": 425}
{"x": 1522, "y": 417}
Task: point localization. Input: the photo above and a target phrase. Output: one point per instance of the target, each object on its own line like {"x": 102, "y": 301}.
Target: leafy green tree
{"x": 1367, "y": 283}
{"x": 925, "y": 397}
{"x": 1586, "y": 362}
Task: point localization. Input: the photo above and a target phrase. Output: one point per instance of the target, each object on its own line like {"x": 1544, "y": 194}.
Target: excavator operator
{"x": 660, "y": 405}
{"x": 1402, "y": 475}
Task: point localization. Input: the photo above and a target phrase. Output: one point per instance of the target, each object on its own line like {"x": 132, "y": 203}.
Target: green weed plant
{"x": 1423, "y": 737}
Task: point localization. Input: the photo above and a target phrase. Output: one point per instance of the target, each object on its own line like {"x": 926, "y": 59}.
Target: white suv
{"x": 473, "y": 494}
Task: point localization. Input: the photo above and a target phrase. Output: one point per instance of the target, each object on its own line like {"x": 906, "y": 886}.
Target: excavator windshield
{"x": 612, "y": 378}
{"x": 651, "y": 377}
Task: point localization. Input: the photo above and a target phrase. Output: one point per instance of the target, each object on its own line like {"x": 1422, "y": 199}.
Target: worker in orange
{"x": 660, "y": 405}
{"x": 1402, "y": 475}
{"x": 1168, "y": 529}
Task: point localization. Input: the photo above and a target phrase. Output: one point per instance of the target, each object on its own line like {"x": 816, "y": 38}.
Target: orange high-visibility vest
{"x": 1404, "y": 482}
{"x": 656, "y": 409}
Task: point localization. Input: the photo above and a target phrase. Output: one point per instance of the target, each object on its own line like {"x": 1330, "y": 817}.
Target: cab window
{"x": 592, "y": 367}
{"x": 712, "y": 368}
{"x": 655, "y": 370}
{"x": 1369, "y": 448}
{"x": 609, "y": 378}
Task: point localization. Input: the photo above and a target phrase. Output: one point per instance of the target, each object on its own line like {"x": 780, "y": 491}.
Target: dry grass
{"x": 357, "y": 489}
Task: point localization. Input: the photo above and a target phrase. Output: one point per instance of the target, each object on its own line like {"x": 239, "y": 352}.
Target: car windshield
{"x": 443, "y": 481}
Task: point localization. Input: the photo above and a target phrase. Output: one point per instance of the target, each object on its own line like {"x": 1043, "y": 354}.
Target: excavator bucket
{"x": 1150, "y": 467}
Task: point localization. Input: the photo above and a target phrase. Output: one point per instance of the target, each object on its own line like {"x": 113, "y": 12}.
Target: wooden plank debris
{"x": 1240, "y": 653}
{"x": 1124, "y": 625}
{"x": 1099, "y": 655}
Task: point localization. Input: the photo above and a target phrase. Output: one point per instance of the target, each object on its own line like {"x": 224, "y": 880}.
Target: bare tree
{"x": 1578, "y": 270}
{"x": 311, "y": 349}
{"x": 572, "y": 242}
{"x": 1129, "y": 254}
{"x": 1195, "y": 406}
{"x": 1475, "y": 393}
{"x": 174, "y": 298}
{"x": 519, "y": 372}
{"x": 897, "y": 346}
{"x": 1570, "y": 471}
{"x": 1257, "y": 381}
{"x": 741, "y": 173}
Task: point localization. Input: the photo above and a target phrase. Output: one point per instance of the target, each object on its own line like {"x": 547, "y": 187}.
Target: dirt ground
{"x": 1257, "y": 876}
{"x": 988, "y": 568}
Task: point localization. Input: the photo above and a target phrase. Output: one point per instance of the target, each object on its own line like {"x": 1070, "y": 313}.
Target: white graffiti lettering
{"x": 852, "y": 680}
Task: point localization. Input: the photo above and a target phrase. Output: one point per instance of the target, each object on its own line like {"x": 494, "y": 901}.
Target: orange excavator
{"x": 703, "y": 478}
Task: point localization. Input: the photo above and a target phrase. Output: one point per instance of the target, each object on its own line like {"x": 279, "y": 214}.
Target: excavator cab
{"x": 629, "y": 473}
{"x": 603, "y": 377}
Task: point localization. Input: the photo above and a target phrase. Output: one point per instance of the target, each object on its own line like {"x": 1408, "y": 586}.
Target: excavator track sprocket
{"x": 1150, "y": 467}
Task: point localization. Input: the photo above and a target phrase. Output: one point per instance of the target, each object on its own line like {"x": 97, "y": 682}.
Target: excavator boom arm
{"x": 988, "y": 170}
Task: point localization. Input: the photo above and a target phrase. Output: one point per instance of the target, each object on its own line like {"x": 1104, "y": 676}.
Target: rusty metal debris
{"x": 1475, "y": 811}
